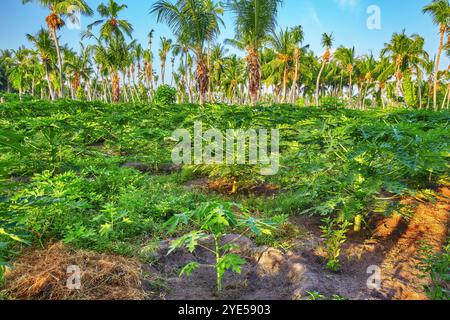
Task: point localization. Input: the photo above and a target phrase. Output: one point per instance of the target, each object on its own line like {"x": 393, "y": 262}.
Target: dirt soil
{"x": 272, "y": 274}
{"x": 225, "y": 187}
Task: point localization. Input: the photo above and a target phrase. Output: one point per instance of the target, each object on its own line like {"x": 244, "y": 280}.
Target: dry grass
{"x": 42, "y": 275}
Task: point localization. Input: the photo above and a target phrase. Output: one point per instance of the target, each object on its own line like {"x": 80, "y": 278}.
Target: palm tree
{"x": 255, "y": 19}
{"x": 216, "y": 10}
{"x": 383, "y": 71}
{"x": 194, "y": 21}
{"x": 327, "y": 42}
{"x": 58, "y": 10}
{"x": 182, "y": 46}
{"x": 440, "y": 11}
{"x": 297, "y": 37}
{"x": 20, "y": 72}
{"x": 286, "y": 46}
{"x": 281, "y": 44}
{"x": 47, "y": 51}
{"x": 115, "y": 58}
{"x": 418, "y": 59}
{"x": 366, "y": 68}
{"x": 166, "y": 46}
{"x": 218, "y": 56}
{"x": 233, "y": 78}
{"x": 346, "y": 58}
{"x": 79, "y": 66}
{"x": 149, "y": 59}
{"x": 6, "y": 61}
{"x": 111, "y": 25}
{"x": 112, "y": 30}
{"x": 406, "y": 53}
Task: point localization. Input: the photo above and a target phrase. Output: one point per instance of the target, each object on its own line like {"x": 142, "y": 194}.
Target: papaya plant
{"x": 213, "y": 220}
{"x": 335, "y": 234}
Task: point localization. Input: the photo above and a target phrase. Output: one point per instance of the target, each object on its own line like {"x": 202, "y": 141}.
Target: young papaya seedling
{"x": 214, "y": 219}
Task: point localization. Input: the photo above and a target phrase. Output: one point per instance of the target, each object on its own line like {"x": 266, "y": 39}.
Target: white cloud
{"x": 315, "y": 17}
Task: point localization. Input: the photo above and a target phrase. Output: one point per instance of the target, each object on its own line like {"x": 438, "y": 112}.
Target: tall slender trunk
{"x": 448, "y": 100}
{"x": 32, "y": 87}
{"x": 363, "y": 102}
{"x": 419, "y": 83}
{"x": 60, "y": 66}
{"x": 188, "y": 77}
{"x": 318, "y": 83}
{"x": 115, "y": 87}
{"x": 254, "y": 69}
{"x": 50, "y": 89}
{"x": 150, "y": 75}
{"x": 350, "y": 87}
{"x": 88, "y": 88}
{"x": 445, "y": 99}
{"x": 163, "y": 70}
{"x": 443, "y": 29}
{"x": 294, "y": 83}
{"x": 285, "y": 76}
{"x": 208, "y": 63}
{"x": 202, "y": 76}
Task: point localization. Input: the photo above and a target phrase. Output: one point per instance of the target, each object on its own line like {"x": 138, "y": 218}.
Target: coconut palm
{"x": 366, "y": 68}
{"x": 6, "y": 60}
{"x": 21, "y": 69}
{"x": 166, "y": 46}
{"x": 233, "y": 78}
{"x": 80, "y": 68}
{"x": 440, "y": 12}
{"x": 194, "y": 21}
{"x": 383, "y": 72}
{"x": 254, "y": 20}
{"x": 59, "y": 9}
{"x": 218, "y": 56}
{"x": 346, "y": 59}
{"x": 147, "y": 72}
{"x": 46, "y": 49}
{"x": 283, "y": 43}
{"x": 406, "y": 53}
{"x": 327, "y": 42}
{"x": 182, "y": 47}
{"x": 150, "y": 58}
{"x": 111, "y": 46}
{"x": 111, "y": 25}
{"x": 297, "y": 37}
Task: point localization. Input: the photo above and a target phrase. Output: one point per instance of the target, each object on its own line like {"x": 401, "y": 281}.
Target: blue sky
{"x": 345, "y": 18}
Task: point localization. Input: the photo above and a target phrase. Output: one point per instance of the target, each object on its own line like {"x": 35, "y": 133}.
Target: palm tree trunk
{"x": 419, "y": 83}
{"x": 88, "y": 88}
{"x": 448, "y": 100}
{"x": 363, "y": 102}
{"x": 209, "y": 68}
{"x": 50, "y": 89}
{"x": 163, "y": 71}
{"x": 127, "y": 99}
{"x": 32, "y": 87}
{"x": 445, "y": 99}
{"x": 60, "y": 66}
{"x": 283, "y": 99}
{"x": 202, "y": 76}
{"x": 294, "y": 83}
{"x": 116, "y": 87}
{"x": 318, "y": 83}
{"x": 254, "y": 73}
{"x": 438, "y": 60}
{"x": 350, "y": 87}
{"x": 188, "y": 77}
